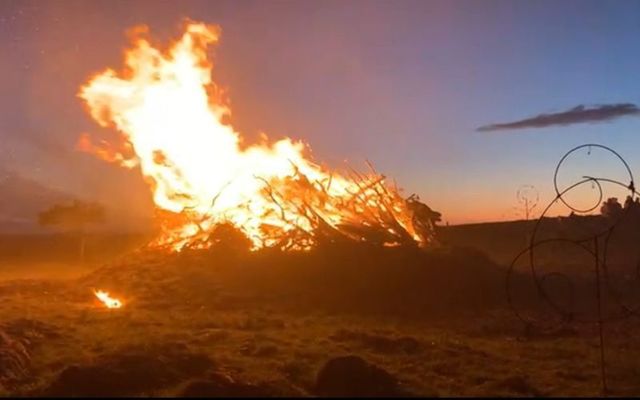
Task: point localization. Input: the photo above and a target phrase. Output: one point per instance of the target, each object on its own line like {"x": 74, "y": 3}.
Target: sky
{"x": 403, "y": 84}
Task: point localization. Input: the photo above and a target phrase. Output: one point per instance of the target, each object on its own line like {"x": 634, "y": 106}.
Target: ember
{"x": 107, "y": 300}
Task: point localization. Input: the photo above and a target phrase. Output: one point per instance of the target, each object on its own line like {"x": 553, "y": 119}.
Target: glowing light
{"x": 107, "y": 300}
{"x": 172, "y": 124}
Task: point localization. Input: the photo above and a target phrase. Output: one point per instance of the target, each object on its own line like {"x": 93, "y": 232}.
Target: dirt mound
{"x": 515, "y": 385}
{"x": 14, "y": 360}
{"x": 130, "y": 371}
{"x": 18, "y": 338}
{"x": 352, "y": 376}
{"x": 222, "y": 385}
{"x": 31, "y": 331}
{"x": 353, "y": 278}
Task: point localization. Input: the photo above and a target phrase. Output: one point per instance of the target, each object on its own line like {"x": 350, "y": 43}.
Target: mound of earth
{"x": 14, "y": 360}
{"x": 130, "y": 371}
{"x": 222, "y": 385}
{"x": 18, "y": 338}
{"x": 352, "y": 376}
{"x": 341, "y": 278}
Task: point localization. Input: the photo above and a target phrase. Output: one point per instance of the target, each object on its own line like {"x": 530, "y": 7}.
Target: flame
{"x": 107, "y": 300}
{"x": 173, "y": 124}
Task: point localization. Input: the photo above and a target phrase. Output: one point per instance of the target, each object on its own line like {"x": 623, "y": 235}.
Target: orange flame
{"x": 107, "y": 300}
{"x": 169, "y": 113}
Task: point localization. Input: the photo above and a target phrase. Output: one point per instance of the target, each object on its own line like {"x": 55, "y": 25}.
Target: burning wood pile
{"x": 375, "y": 214}
{"x": 172, "y": 124}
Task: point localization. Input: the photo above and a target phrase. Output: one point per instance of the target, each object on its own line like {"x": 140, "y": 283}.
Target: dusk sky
{"x": 404, "y": 84}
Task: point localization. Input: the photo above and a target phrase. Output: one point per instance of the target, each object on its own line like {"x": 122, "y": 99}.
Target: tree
{"x": 632, "y": 204}
{"x": 74, "y": 217}
{"x": 611, "y": 208}
{"x": 528, "y": 197}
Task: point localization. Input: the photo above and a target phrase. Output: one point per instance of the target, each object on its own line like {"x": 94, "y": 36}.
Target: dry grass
{"x": 274, "y": 320}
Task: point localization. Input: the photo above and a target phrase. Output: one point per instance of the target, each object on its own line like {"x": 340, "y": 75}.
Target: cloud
{"x": 579, "y": 114}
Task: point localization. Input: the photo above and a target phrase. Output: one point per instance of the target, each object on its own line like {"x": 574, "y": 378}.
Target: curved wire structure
{"x": 595, "y": 245}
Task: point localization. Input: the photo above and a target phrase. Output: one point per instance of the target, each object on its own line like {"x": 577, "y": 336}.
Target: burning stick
{"x": 107, "y": 300}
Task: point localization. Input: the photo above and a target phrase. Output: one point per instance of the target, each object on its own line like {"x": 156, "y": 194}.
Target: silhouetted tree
{"x": 74, "y": 217}
{"x": 632, "y": 204}
{"x": 528, "y": 197}
{"x": 611, "y": 208}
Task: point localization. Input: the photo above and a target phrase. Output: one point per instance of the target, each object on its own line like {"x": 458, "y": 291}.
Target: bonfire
{"x": 170, "y": 121}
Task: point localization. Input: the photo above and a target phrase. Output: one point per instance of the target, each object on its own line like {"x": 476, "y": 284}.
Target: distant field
{"x": 502, "y": 241}
{"x": 499, "y": 240}
{"x": 58, "y": 255}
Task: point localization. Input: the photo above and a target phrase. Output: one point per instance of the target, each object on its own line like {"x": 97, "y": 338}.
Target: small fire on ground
{"x": 107, "y": 300}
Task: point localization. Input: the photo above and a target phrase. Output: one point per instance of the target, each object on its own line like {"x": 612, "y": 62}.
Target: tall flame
{"x": 170, "y": 118}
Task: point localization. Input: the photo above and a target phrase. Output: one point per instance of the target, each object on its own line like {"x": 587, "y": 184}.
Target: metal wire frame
{"x": 590, "y": 244}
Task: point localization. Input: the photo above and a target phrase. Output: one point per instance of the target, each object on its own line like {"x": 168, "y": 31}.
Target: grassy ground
{"x": 438, "y": 322}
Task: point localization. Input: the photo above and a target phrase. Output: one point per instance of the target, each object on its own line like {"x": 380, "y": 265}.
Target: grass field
{"x": 228, "y": 323}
